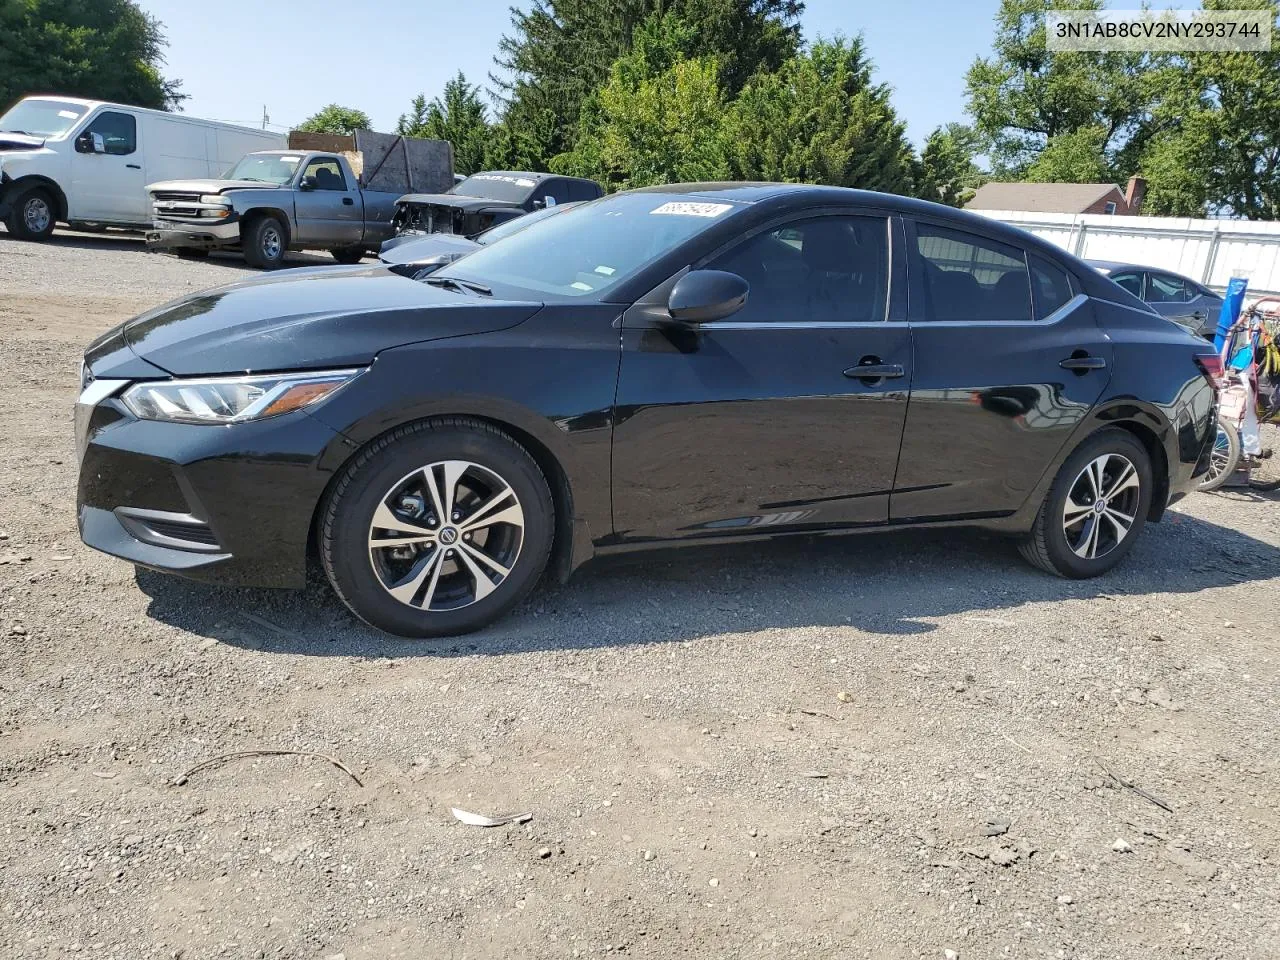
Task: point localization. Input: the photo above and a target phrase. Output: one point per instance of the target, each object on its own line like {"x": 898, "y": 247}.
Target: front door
{"x": 108, "y": 182}
{"x": 330, "y": 212}
{"x": 762, "y": 419}
{"x": 1008, "y": 361}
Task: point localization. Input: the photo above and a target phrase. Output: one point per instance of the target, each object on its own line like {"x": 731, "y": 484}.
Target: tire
{"x": 265, "y": 241}
{"x": 347, "y": 255}
{"x": 1265, "y": 475}
{"x": 1057, "y": 535}
{"x": 438, "y": 580}
{"x": 191, "y": 253}
{"x": 33, "y": 215}
{"x": 1224, "y": 459}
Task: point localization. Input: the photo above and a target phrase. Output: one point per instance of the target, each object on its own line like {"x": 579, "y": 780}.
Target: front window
{"x": 325, "y": 174}
{"x": 594, "y": 247}
{"x": 265, "y": 168}
{"x": 510, "y": 187}
{"x": 41, "y": 118}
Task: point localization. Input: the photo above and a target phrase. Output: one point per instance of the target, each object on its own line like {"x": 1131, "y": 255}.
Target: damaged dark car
{"x": 486, "y": 199}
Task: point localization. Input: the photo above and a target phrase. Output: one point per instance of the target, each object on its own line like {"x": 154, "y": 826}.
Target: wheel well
{"x": 14, "y": 187}
{"x": 259, "y": 212}
{"x": 561, "y": 493}
{"x": 1159, "y": 465}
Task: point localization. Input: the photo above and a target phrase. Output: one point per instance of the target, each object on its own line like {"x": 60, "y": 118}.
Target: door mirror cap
{"x": 704, "y": 295}
{"x": 307, "y": 183}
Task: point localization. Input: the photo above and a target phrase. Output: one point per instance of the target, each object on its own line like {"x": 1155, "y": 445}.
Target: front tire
{"x": 437, "y": 529}
{"x": 33, "y": 216}
{"x": 265, "y": 241}
{"x": 1095, "y": 509}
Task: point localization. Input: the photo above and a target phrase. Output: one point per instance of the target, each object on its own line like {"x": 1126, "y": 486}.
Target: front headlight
{"x": 232, "y": 399}
{"x": 215, "y": 198}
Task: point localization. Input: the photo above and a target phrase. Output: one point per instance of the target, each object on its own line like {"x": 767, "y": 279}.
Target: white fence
{"x": 1211, "y": 251}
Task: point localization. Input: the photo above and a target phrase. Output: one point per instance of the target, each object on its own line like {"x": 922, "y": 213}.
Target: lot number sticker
{"x": 686, "y": 208}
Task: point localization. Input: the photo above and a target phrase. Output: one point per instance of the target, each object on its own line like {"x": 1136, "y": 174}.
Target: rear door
{"x": 1008, "y": 360}
{"x": 108, "y": 182}
{"x": 761, "y": 420}
{"x": 1173, "y": 297}
{"x": 331, "y": 214}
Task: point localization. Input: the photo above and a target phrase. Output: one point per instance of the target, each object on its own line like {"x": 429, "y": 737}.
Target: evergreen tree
{"x": 458, "y": 116}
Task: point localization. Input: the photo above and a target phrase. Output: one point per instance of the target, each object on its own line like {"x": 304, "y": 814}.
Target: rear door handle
{"x": 876, "y": 371}
{"x": 133, "y": 166}
{"x": 1083, "y": 363}
{"x": 347, "y": 201}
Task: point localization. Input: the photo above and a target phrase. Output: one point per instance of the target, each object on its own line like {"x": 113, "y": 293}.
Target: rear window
{"x": 1050, "y": 287}
{"x": 968, "y": 277}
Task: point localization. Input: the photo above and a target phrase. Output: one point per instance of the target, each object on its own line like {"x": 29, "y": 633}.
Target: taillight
{"x": 1210, "y": 365}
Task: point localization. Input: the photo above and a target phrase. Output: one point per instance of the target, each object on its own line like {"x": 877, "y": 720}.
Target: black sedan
{"x": 1175, "y": 297}
{"x": 684, "y": 364}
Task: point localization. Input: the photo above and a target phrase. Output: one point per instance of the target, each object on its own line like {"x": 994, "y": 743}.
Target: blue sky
{"x": 235, "y": 56}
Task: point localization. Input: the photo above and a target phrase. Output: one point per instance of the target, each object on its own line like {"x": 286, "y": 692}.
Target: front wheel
{"x": 437, "y": 529}
{"x": 1095, "y": 509}
{"x": 265, "y": 243}
{"x": 1224, "y": 457}
{"x": 33, "y": 215}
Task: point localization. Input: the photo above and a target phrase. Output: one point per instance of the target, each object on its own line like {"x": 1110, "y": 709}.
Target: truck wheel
{"x": 265, "y": 242}
{"x": 33, "y": 215}
{"x": 347, "y": 255}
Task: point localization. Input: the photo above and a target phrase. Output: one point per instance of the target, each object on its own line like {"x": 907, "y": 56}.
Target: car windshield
{"x": 592, "y": 248}
{"x": 41, "y": 118}
{"x": 265, "y": 167}
{"x": 512, "y": 227}
{"x": 513, "y": 187}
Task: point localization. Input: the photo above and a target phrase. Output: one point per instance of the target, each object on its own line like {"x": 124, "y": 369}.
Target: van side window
{"x": 1050, "y": 287}
{"x": 968, "y": 277}
{"x": 327, "y": 174}
{"x": 119, "y": 133}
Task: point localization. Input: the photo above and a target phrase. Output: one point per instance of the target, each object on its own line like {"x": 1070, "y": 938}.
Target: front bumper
{"x": 169, "y": 235}
{"x": 225, "y": 504}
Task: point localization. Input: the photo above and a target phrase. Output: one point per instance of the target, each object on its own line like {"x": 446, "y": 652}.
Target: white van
{"x": 88, "y": 162}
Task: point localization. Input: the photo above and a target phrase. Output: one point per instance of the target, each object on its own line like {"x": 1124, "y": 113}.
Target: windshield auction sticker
{"x": 686, "y": 208}
{"x": 1159, "y": 30}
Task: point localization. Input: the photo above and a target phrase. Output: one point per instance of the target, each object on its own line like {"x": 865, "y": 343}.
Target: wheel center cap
{"x": 449, "y": 535}
{"x": 1100, "y": 506}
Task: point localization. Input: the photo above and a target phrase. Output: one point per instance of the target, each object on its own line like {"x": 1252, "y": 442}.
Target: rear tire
{"x": 265, "y": 242}
{"x": 1224, "y": 459}
{"x": 401, "y": 566}
{"x": 1095, "y": 509}
{"x": 33, "y": 215}
{"x": 348, "y": 256}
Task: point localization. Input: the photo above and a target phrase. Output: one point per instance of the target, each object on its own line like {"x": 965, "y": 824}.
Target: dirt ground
{"x": 881, "y": 747}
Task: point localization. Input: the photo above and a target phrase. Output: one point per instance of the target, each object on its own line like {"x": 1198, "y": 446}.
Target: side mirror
{"x": 307, "y": 183}
{"x": 538, "y": 204}
{"x": 89, "y": 143}
{"x": 703, "y": 295}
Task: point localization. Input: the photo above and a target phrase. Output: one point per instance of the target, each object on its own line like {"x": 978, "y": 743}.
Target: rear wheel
{"x": 265, "y": 242}
{"x": 347, "y": 255}
{"x": 1095, "y": 509}
{"x": 437, "y": 529}
{"x": 1224, "y": 457}
{"x": 33, "y": 215}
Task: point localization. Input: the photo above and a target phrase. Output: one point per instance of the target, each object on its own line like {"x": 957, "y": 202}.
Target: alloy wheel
{"x": 271, "y": 243}
{"x": 446, "y": 536}
{"x": 37, "y": 215}
{"x": 1101, "y": 506}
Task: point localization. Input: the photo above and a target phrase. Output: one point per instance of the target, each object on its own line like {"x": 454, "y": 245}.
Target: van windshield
{"x": 265, "y": 167}
{"x": 41, "y": 118}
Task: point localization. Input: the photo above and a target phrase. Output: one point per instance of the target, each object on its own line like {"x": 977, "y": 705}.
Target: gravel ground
{"x": 883, "y": 747}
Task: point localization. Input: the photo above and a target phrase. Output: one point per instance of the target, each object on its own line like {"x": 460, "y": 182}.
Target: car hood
{"x": 20, "y": 141}
{"x": 212, "y": 185}
{"x": 316, "y": 318}
{"x": 416, "y": 247}
{"x": 457, "y": 200}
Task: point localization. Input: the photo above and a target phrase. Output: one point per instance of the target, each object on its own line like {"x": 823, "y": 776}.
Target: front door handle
{"x": 1083, "y": 363}
{"x": 348, "y": 202}
{"x": 870, "y": 368}
{"x": 134, "y": 166}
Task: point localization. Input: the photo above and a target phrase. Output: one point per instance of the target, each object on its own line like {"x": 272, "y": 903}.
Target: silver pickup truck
{"x": 271, "y": 202}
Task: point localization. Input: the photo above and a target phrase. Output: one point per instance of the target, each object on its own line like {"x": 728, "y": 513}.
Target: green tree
{"x": 657, "y": 118}
{"x": 1025, "y": 96}
{"x": 560, "y": 52}
{"x": 99, "y": 49}
{"x": 820, "y": 118}
{"x": 947, "y": 172}
{"x": 1212, "y": 145}
{"x": 337, "y": 119}
{"x": 458, "y": 116}
{"x": 1073, "y": 157}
